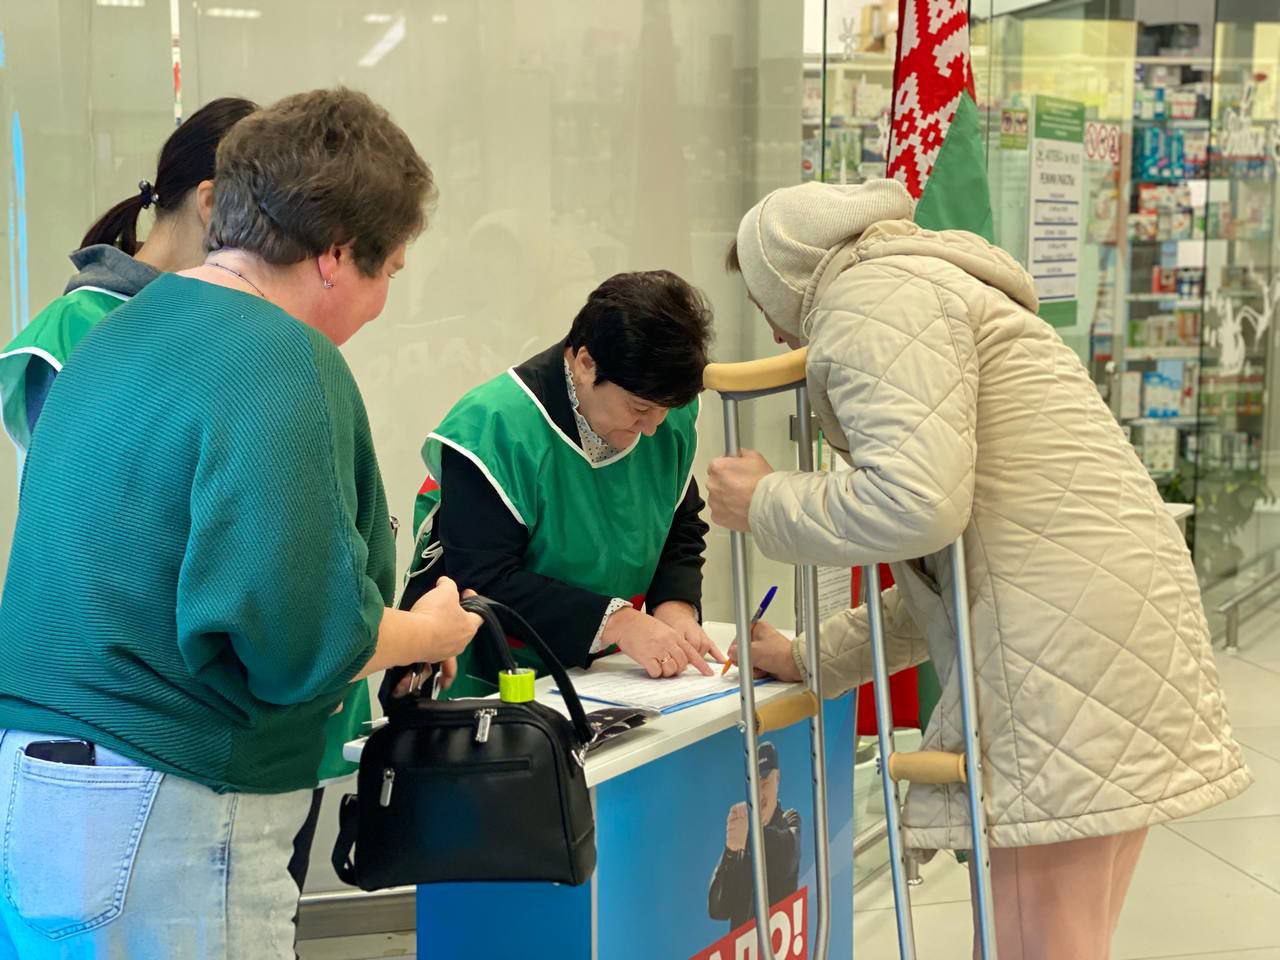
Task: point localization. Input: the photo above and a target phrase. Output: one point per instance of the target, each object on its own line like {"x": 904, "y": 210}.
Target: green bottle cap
{"x": 516, "y": 686}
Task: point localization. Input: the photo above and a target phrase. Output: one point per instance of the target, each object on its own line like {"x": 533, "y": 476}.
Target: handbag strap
{"x": 348, "y": 822}
{"x": 511, "y": 623}
{"x": 497, "y": 633}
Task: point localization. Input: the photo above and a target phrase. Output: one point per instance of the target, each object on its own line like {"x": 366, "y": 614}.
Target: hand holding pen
{"x": 759, "y": 615}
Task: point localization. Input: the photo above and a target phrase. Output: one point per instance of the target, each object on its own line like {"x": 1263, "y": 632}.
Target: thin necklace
{"x": 237, "y": 273}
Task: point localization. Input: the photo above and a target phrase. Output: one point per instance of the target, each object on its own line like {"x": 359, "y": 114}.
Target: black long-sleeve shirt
{"x": 731, "y": 896}
{"x": 484, "y": 545}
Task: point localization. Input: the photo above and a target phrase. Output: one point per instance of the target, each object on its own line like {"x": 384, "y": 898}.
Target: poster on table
{"x": 685, "y": 891}
{"x": 1056, "y": 207}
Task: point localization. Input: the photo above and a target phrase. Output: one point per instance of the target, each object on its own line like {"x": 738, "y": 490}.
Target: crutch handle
{"x": 769, "y": 373}
{"x": 784, "y": 711}
{"x": 927, "y": 766}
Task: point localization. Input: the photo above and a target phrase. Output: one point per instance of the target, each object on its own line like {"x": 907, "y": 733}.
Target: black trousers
{"x": 302, "y": 843}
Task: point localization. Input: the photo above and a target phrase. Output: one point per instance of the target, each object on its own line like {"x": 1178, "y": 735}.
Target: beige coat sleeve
{"x": 892, "y": 361}
{"x": 846, "y": 645}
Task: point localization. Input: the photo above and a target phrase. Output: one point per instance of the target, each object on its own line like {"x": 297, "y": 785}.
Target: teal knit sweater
{"x": 203, "y": 552}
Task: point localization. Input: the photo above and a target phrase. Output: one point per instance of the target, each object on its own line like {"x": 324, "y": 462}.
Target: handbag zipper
{"x": 388, "y": 782}
{"x": 484, "y": 719}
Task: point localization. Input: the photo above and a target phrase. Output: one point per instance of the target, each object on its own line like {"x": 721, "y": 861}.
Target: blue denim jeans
{"x": 119, "y": 861}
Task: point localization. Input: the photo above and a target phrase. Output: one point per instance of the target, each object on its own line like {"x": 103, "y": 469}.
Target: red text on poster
{"x": 788, "y": 923}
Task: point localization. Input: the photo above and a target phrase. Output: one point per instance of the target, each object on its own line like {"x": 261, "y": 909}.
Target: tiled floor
{"x": 1207, "y": 888}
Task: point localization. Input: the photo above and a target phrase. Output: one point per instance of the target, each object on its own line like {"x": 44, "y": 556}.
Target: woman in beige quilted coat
{"x": 962, "y": 412}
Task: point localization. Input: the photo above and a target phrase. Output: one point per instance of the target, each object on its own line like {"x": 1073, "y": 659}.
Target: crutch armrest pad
{"x": 927, "y": 766}
{"x": 768, "y": 373}
{"x": 784, "y": 711}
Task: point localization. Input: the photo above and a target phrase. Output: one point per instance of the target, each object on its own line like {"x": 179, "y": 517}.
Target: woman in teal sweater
{"x": 203, "y": 561}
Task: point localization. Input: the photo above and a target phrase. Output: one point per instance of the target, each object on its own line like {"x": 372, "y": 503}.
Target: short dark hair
{"x": 731, "y": 262}
{"x": 318, "y": 169}
{"x": 648, "y": 333}
{"x": 186, "y": 160}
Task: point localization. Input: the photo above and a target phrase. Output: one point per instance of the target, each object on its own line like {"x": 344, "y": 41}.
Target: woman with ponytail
{"x": 114, "y": 266}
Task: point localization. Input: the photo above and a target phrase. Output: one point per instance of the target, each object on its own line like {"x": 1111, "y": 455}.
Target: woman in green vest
{"x": 564, "y": 487}
{"x": 113, "y": 265}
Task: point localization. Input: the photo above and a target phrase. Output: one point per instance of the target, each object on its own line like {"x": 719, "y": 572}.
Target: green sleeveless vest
{"x": 50, "y": 336}
{"x": 600, "y": 527}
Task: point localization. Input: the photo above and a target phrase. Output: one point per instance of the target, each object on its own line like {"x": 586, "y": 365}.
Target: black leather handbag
{"x": 473, "y": 790}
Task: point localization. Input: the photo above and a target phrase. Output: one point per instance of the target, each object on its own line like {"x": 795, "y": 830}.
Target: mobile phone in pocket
{"x": 75, "y": 752}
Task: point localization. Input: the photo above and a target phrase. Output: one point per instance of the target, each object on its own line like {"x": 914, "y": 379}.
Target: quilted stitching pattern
{"x": 1099, "y": 699}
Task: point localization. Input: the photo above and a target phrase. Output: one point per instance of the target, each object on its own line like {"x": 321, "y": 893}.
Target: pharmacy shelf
{"x": 1175, "y": 61}
{"x": 1181, "y": 303}
{"x": 1188, "y": 352}
{"x": 1186, "y": 123}
{"x": 1193, "y": 421}
{"x": 1240, "y": 291}
{"x": 1259, "y": 238}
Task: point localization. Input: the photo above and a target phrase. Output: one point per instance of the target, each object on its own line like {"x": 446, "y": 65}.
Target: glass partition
{"x": 81, "y": 127}
{"x": 1234, "y": 454}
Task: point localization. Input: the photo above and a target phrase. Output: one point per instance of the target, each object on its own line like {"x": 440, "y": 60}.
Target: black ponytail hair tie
{"x": 148, "y": 193}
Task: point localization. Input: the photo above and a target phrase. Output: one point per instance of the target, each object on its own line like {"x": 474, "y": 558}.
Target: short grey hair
{"x": 318, "y": 169}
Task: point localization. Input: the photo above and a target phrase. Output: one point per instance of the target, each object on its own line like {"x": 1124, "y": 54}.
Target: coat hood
{"x": 110, "y": 268}
{"x": 984, "y": 261}
{"x": 786, "y": 238}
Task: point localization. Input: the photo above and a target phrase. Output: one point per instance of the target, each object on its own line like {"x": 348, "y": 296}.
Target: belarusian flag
{"x": 935, "y": 148}
{"x": 935, "y": 138}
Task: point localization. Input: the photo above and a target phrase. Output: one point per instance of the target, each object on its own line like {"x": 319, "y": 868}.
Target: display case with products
{"x": 1197, "y": 247}
{"x": 848, "y": 95}
{"x": 847, "y": 143}
{"x": 1189, "y": 369}
{"x": 1158, "y": 356}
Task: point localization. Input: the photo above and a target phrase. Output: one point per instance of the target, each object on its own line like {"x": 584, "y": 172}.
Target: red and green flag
{"x": 936, "y": 149}
{"x": 935, "y": 136}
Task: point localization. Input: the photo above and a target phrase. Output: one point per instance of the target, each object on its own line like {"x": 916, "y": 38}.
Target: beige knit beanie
{"x": 783, "y": 239}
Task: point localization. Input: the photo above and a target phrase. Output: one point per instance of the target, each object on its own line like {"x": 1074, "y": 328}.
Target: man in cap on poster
{"x": 730, "y": 897}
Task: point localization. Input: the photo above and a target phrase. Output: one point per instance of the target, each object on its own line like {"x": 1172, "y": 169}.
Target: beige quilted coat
{"x": 962, "y": 411}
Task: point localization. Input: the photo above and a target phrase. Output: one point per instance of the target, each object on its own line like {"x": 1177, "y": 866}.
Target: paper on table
{"x": 636, "y": 688}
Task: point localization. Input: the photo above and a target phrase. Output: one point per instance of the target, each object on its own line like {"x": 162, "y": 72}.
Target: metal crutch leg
{"x": 986, "y": 928}
{"x": 736, "y": 382}
{"x": 817, "y": 730}
{"x": 889, "y": 783}
{"x": 937, "y": 767}
{"x": 747, "y": 692}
